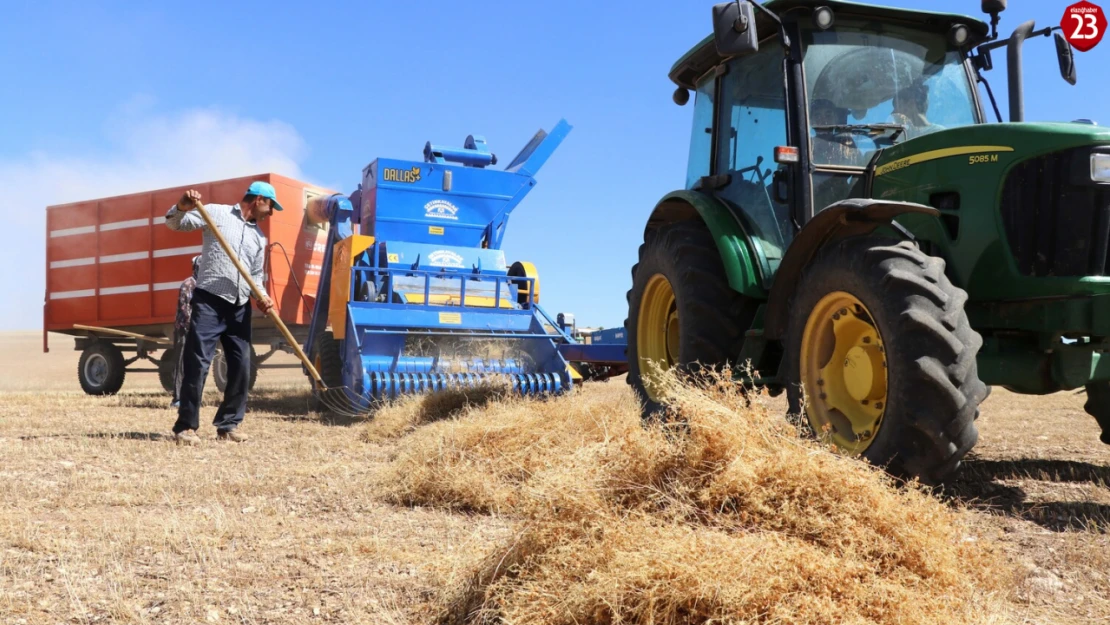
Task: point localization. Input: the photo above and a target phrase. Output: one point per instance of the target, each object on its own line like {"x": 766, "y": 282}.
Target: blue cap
{"x": 264, "y": 189}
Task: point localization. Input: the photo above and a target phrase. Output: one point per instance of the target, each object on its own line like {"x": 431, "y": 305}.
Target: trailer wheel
{"x": 682, "y": 313}
{"x": 101, "y": 369}
{"x": 881, "y": 350}
{"x": 219, "y": 369}
{"x": 167, "y": 363}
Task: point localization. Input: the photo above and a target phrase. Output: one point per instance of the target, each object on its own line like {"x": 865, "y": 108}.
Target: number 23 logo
{"x": 1083, "y": 25}
{"x": 1084, "y": 19}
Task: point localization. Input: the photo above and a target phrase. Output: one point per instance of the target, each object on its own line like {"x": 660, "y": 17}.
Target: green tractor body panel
{"x": 1029, "y": 264}
{"x": 747, "y": 270}
{"x": 972, "y": 163}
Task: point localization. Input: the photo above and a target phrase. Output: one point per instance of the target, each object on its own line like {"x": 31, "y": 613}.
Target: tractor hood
{"x": 982, "y": 145}
{"x": 1019, "y": 211}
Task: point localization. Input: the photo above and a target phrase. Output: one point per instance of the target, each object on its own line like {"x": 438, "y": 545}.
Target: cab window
{"x": 751, "y": 125}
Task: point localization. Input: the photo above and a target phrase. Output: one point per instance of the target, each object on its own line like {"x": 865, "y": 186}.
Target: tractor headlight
{"x": 1100, "y": 167}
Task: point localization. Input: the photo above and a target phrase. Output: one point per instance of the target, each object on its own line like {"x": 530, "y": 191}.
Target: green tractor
{"x": 903, "y": 254}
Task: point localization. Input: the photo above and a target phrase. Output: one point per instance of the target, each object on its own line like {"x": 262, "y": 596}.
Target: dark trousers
{"x": 214, "y": 318}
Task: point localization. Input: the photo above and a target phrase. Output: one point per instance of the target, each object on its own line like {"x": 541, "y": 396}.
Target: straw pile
{"x": 719, "y": 513}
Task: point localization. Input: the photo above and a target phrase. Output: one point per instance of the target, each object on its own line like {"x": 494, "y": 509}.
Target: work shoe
{"x": 238, "y": 437}
{"x": 187, "y": 437}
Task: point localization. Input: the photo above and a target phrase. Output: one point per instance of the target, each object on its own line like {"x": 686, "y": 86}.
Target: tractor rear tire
{"x": 682, "y": 313}
{"x": 1098, "y": 406}
{"x": 915, "y": 339}
{"x": 101, "y": 369}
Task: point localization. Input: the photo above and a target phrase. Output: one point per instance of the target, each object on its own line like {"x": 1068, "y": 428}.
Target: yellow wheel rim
{"x": 844, "y": 372}
{"x": 657, "y": 329}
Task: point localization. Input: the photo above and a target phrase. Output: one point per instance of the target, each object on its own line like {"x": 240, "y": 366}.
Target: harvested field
{"x": 416, "y": 515}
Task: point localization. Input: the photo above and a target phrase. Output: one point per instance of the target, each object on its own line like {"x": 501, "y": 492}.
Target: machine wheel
{"x": 881, "y": 347}
{"x": 328, "y": 359}
{"x": 682, "y": 313}
{"x": 101, "y": 370}
{"x": 166, "y": 365}
{"x": 522, "y": 269}
{"x": 219, "y": 369}
{"x": 1098, "y": 406}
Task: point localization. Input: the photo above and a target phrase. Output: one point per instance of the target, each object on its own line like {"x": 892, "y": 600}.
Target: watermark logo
{"x": 1083, "y": 25}
{"x": 441, "y": 209}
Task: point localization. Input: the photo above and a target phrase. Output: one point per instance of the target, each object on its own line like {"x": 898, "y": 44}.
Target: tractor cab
{"x": 796, "y": 100}
{"x": 871, "y": 85}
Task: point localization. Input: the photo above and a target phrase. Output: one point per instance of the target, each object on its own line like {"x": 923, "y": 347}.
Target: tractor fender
{"x": 843, "y": 219}
{"x": 733, "y": 242}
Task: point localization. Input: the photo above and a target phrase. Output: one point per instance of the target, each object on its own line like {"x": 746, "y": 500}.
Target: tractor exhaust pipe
{"x": 1013, "y": 67}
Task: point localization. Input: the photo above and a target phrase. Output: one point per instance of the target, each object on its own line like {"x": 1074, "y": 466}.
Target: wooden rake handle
{"x": 259, "y": 295}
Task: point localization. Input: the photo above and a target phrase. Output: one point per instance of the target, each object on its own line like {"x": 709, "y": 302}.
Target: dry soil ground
{"x": 104, "y": 519}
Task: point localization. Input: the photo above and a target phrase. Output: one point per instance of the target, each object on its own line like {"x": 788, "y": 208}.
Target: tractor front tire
{"x": 881, "y": 351}
{"x": 682, "y": 313}
{"x": 101, "y": 369}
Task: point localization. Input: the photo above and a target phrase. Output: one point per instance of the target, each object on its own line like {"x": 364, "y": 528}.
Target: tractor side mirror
{"x": 993, "y": 6}
{"x": 734, "y": 30}
{"x": 1066, "y": 58}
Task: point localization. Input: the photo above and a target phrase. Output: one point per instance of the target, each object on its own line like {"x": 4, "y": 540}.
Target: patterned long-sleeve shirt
{"x": 184, "y": 307}
{"x": 218, "y": 274}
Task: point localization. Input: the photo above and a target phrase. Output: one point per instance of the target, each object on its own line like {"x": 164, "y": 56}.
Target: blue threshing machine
{"x": 415, "y": 292}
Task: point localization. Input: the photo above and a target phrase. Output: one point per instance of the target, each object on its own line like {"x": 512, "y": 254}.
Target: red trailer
{"x": 113, "y": 270}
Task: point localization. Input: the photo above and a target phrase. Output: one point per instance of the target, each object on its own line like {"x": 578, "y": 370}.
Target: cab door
{"x": 751, "y": 123}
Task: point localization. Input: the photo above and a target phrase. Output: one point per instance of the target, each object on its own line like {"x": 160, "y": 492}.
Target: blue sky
{"x": 108, "y": 97}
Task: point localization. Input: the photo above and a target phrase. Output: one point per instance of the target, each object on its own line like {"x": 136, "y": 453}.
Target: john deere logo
{"x": 441, "y": 209}
{"x": 445, "y": 258}
{"x": 401, "y": 175}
